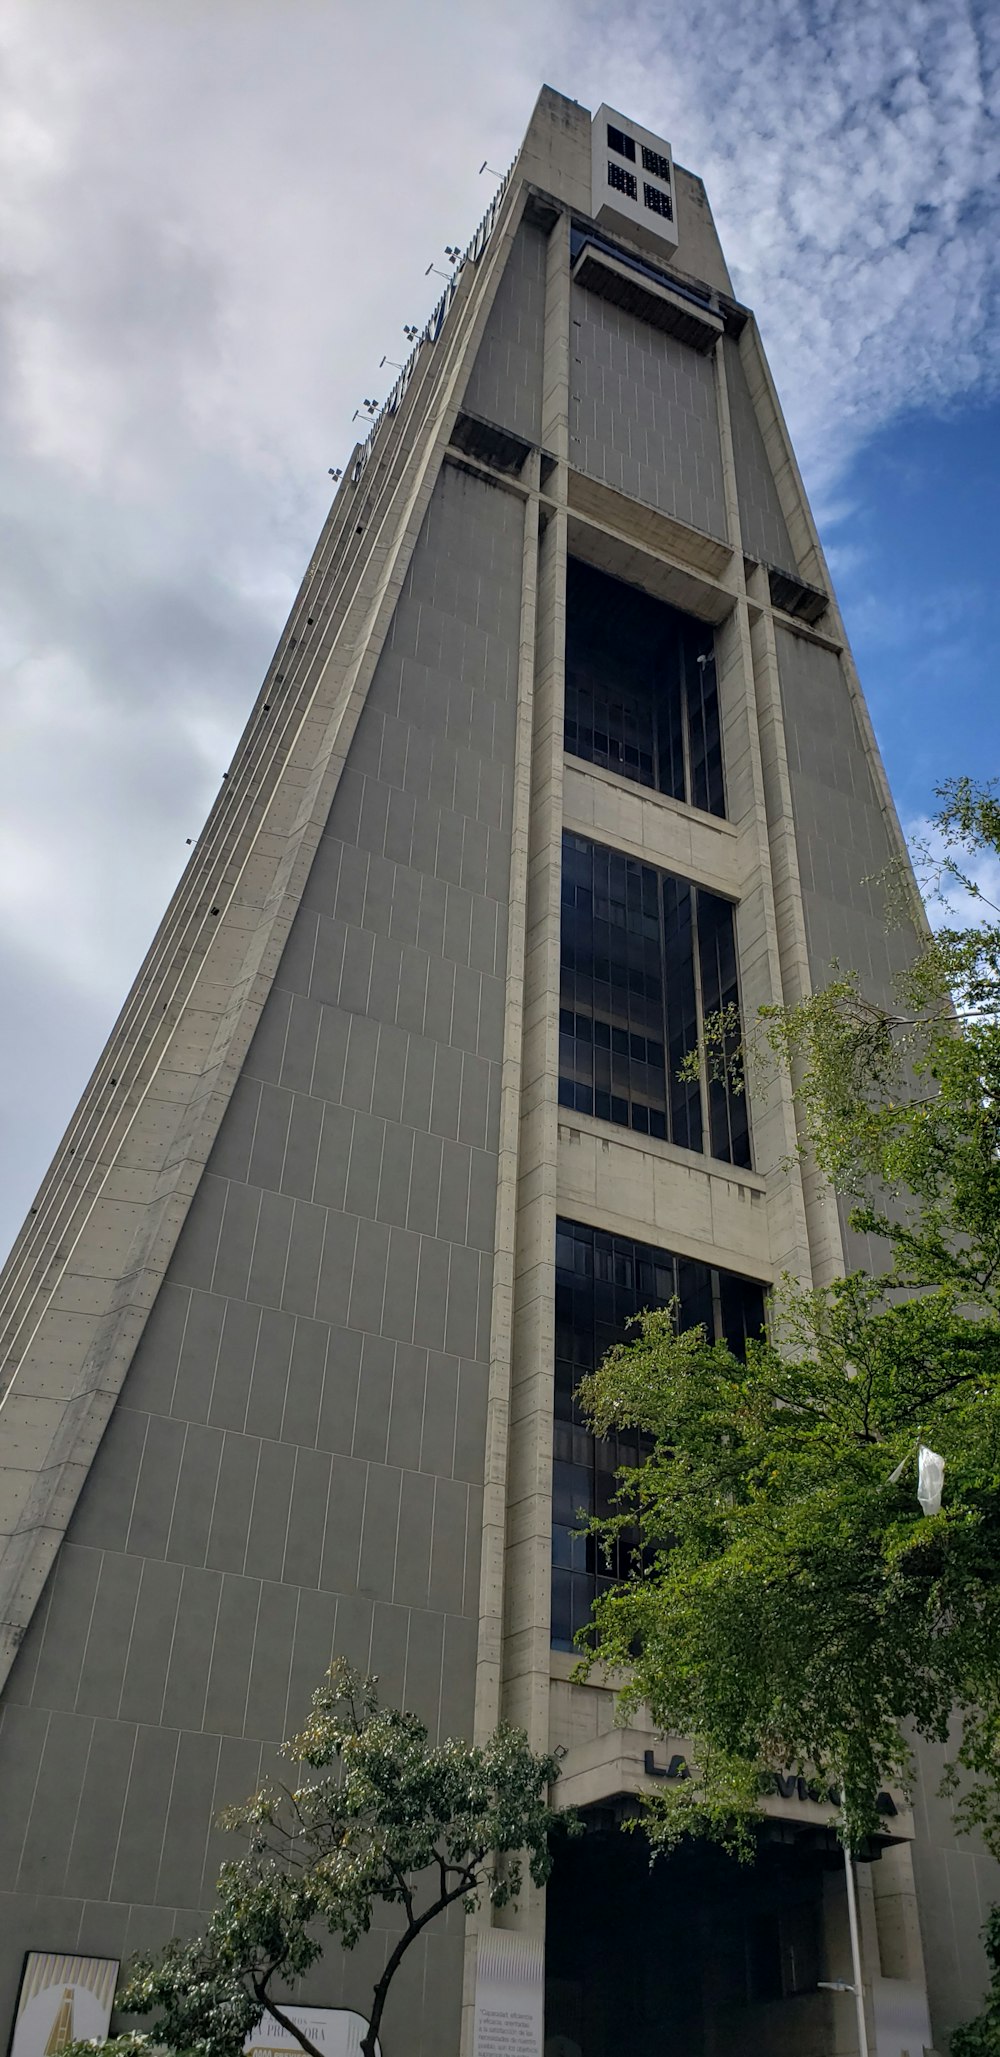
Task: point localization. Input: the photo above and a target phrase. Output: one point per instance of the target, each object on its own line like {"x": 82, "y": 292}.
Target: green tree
{"x": 981, "y": 2038}
{"x": 376, "y": 1815}
{"x": 792, "y": 1604}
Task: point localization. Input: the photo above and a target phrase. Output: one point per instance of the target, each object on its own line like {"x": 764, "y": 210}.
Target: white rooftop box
{"x": 633, "y": 180}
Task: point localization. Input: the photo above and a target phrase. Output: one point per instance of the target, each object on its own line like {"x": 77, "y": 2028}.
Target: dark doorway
{"x": 700, "y": 1956}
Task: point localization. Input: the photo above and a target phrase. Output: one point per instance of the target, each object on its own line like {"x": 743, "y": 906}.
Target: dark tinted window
{"x": 635, "y": 944}
{"x": 657, "y": 201}
{"x": 641, "y": 695}
{"x": 618, "y": 140}
{"x": 601, "y": 1281}
{"x": 623, "y": 181}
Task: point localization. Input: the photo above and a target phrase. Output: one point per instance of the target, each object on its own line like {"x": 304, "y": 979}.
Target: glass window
{"x": 636, "y": 946}
{"x": 601, "y": 1282}
{"x": 654, "y": 161}
{"x": 625, "y": 145}
{"x": 623, "y": 181}
{"x": 641, "y": 695}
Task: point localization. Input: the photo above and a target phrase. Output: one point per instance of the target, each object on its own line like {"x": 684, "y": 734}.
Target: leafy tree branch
{"x": 790, "y": 1604}
{"x": 376, "y": 1815}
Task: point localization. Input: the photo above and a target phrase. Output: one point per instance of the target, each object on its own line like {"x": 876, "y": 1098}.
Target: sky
{"x": 215, "y": 218}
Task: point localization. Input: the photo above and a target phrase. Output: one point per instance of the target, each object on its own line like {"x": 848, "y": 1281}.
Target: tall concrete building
{"x": 561, "y": 748}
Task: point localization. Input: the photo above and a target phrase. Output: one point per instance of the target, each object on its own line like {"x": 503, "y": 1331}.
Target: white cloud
{"x": 949, "y": 903}
{"x": 852, "y": 158}
{"x": 216, "y": 219}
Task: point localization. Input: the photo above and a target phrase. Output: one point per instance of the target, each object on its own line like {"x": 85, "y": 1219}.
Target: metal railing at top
{"x": 434, "y": 324}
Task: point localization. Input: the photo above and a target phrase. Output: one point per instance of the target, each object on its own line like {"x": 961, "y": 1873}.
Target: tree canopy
{"x": 386, "y": 1818}
{"x": 792, "y": 1606}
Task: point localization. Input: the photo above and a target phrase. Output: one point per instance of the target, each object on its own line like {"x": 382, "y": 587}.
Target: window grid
{"x": 625, "y": 145}
{"x": 634, "y": 942}
{"x": 641, "y": 695}
{"x": 654, "y": 161}
{"x": 657, "y": 200}
{"x": 602, "y": 1281}
{"x": 729, "y": 1126}
{"x": 623, "y": 181}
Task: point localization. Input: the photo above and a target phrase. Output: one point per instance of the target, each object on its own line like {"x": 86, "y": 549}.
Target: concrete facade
{"x": 279, "y": 1334}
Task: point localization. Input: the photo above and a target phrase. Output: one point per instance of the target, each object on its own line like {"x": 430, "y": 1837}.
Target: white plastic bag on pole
{"x": 930, "y": 1479}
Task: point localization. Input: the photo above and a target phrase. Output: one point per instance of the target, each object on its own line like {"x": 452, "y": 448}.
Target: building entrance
{"x": 700, "y": 1956}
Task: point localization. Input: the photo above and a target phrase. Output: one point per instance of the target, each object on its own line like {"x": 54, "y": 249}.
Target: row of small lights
{"x": 369, "y": 408}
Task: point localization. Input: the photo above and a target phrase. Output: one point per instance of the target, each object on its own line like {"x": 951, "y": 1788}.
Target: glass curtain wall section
{"x": 601, "y": 1282}
{"x": 641, "y": 694}
{"x": 645, "y": 957}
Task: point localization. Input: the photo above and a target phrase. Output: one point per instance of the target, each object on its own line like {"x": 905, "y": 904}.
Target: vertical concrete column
{"x": 513, "y": 1666}
{"x": 555, "y": 390}
{"x": 491, "y": 1597}
{"x": 773, "y": 1118}
{"x": 526, "y": 1653}
{"x": 495, "y": 1481}
{"x": 825, "y": 1240}
{"x": 897, "y": 1920}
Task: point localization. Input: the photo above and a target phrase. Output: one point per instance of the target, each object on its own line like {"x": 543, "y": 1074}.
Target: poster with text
{"x": 510, "y": 1995}
{"x": 62, "y": 2000}
{"x": 333, "y": 2030}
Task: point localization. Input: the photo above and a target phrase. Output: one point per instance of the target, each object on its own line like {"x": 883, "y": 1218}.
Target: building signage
{"x": 510, "y": 1995}
{"x": 788, "y": 1785}
{"x": 333, "y": 2030}
{"x": 63, "y": 1999}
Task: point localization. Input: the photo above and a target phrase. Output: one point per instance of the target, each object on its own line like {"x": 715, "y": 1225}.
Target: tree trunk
{"x": 380, "y": 1995}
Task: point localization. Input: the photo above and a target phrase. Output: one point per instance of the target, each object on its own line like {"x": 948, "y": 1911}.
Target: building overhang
{"x": 634, "y": 287}
{"x": 648, "y": 548}
{"x": 634, "y": 1764}
{"x": 793, "y": 596}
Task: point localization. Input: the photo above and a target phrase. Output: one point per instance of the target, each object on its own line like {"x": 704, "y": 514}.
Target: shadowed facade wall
{"x": 643, "y": 414}
{"x": 296, "y": 1460}
{"x": 505, "y": 384}
{"x": 762, "y": 523}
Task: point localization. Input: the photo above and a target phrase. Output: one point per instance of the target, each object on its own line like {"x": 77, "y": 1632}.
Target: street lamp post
{"x": 854, "y": 1984}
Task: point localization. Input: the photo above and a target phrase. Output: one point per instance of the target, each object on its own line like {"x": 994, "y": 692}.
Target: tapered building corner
{"x": 562, "y": 749}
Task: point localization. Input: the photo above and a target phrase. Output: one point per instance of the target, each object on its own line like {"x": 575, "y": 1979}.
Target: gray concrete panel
{"x": 842, "y": 834}
{"x": 644, "y": 414}
{"x": 762, "y": 523}
{"x": 263, "y": 1494}
{"x": 505, "y": 384}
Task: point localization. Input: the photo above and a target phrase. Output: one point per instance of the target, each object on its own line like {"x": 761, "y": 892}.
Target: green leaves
{"x": 375, "y": 1814}
{"x": 981, "y": 2038}
{"x": 790, "y": 1608}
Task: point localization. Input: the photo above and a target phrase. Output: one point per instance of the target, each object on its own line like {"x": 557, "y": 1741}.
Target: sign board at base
{"x": 63, "y": 1999}
{"x": 333, "y": 2030}
{"x": 902, "y": 2022}
{"x": 510, "y": 1995}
